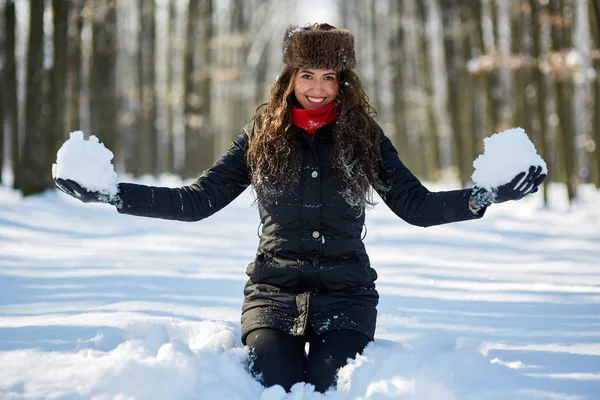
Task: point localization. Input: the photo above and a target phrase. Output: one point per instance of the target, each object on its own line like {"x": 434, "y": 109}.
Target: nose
{"x": 318, "y": 87}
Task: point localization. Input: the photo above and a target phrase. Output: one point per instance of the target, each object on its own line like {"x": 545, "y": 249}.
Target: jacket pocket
{"x": 254, "y": 271}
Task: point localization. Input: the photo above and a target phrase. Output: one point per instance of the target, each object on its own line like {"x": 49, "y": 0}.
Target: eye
{"x": 330, "y": 78}
{"x": 306, "y": 76}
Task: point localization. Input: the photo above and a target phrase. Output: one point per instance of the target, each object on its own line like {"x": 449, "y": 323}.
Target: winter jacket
{"x": 311, "y": 266}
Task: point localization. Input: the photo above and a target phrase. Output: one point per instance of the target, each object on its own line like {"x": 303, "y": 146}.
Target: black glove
{"x": 521, "y": 185}
{"x": 74, "y": 189}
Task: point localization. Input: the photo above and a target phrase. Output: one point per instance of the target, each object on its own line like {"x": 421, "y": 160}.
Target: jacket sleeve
{"x": 216, "y": 188}
{"x": 411, "y": 201}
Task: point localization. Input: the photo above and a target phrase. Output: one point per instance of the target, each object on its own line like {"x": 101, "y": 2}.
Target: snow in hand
{"x": 506, "y": 154}
{"x": 87, "y": 162}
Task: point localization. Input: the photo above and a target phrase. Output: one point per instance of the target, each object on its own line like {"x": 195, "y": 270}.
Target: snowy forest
{"x": 167, "y": 84}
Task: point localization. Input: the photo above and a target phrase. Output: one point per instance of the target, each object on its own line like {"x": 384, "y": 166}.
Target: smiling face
{"x": 315, "y": 88}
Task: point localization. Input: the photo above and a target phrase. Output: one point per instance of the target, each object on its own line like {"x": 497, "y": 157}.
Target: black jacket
{"x": 311, "y": 265}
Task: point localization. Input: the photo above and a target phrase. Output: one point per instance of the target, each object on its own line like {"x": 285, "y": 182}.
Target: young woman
{"x": 313, "y": 155}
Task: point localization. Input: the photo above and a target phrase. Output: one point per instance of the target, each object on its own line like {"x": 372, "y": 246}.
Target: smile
{"x": 316, "y": 99}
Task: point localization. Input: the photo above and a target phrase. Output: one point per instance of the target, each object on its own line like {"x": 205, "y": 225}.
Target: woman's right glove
{"x": 521, "y": 185}
{"x": 74, "y": 189}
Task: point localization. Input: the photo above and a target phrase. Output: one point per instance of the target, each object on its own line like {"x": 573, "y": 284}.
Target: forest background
{"x": 167, "y": 84}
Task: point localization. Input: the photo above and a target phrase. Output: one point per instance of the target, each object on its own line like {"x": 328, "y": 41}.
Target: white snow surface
{"x": 506, "y": 154}
{"x": 98, "y": 305}
{"x": 87, "y": 162}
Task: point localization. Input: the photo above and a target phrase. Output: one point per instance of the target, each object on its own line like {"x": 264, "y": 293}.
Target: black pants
{"x": 278, "y": 358}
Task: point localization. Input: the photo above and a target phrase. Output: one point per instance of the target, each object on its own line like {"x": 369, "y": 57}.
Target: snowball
{"x": 86, "y": 162}
{"x": 506, "y": 154}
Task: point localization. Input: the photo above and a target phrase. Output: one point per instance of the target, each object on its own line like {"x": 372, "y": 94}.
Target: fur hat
{"x": 320, "y": 46}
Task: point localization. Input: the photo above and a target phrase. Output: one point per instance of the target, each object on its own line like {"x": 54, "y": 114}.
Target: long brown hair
{"x": 275, "y": 160}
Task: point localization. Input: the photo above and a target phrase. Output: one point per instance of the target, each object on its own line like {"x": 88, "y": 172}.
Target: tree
{"x": 103, "y": 87}
{"x": 148, "y": 134}
{"x": 2, "y": 79}
{"x": 173, "y": 52}
{"x": 199, "y": 140}
{"x": 539, "y": 17}
{"x": 35, "y": 165}
{"x": 594, "y": 16}
{"x": 456, "y": 67}
{"x": 58, "y": 75}
{"x": 75, "y": 29}
{"x": 562, "y": 39}
{"x": 10, "y": 88}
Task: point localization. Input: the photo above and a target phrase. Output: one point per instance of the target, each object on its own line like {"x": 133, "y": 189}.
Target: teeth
{"x": 315, "y": 99}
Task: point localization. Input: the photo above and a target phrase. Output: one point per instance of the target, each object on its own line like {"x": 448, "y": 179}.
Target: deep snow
{"x": 97, "y": 305}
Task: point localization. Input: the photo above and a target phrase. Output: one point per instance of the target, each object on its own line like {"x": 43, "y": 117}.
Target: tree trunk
{"x": 596, "y": 125}
{"x": 3, "y": 84}
{"x": 173, "y": 53}
{"x": 594, "y": 16}
{"x": 104, "y": 99}
{"x": 540, "y": 135}
{"x": 439, "y": 77}
{"x": 525, "y": 91}
{"x": 456, "y": 73}
{"x": 491, "y": 78}
{"x": 148, "y": 134}
{"x": 479, "y": 79}
{"x": 505, "y": 86}
{"x": 10, "y": 91}
{"x": 432, "y": 151}
{"x": 399, "y": 105}
{"x": 561, "y": 39}
{"x": 470, "y": 107}
{"x": 58, "y": 74}
{"x": 35, "y": 167}
{"x": 414, "y": 89}
{"x": 238, "y": 87}
{"x": 199, "y": 140}
{"x": 520, "y": 49}
{"x": 74, "y": 67}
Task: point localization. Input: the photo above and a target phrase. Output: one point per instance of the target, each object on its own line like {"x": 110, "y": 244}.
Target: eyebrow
{"x": 312, "y": 73}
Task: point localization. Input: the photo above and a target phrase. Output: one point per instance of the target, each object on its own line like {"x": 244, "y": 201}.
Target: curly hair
{"x": 275, "y": 160}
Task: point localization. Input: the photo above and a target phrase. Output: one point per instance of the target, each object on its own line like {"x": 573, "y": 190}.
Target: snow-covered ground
{"x": 97, "y": 305}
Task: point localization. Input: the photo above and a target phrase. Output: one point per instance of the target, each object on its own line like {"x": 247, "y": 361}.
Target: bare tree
{"x": 562, "y": 39}
{"x": 397, "y": 39}
{"x": 148, "y": 134}
{"x": 594, "y": 16}
{"x": 173, "y": 52}
{"x": 2, "y": 80}
{"x": 103, "y": 88}
{"x": 76, "y": 20}
{"x": 431, "y": 146}
{"x": 434, "y": 33}
{"x": 456, "y": 66}
{"x": 505, "y": 88}
{"x": 10, "y": 88}
{"x": 58, "y": 74}
{"x": 540, "y": 24}
{"x": 199, "y": 140}
{"x": 35, "y": 164}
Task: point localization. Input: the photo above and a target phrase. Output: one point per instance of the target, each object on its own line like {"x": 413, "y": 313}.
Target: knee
{"x": 276, "y": 359}
{"x": 272, "y": 374}
{"x": 322, "y": 376}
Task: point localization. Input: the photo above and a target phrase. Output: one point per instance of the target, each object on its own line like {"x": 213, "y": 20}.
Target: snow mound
{"x": 87, "y": 162}
{"x": 506, "y": 154}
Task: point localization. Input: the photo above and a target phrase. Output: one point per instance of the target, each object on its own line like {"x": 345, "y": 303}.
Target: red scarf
{"x": 313, "y": 120}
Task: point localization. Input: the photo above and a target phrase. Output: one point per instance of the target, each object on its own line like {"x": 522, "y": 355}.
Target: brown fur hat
{"x": 320, "y": 46}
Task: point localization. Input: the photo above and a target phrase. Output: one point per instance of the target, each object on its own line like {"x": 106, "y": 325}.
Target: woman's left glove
{"x": 521, "y": 185}
{"x": 74, "y": 189}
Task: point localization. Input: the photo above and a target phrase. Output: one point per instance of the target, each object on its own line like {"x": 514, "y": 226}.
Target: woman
{"x": 313, "y": 155}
